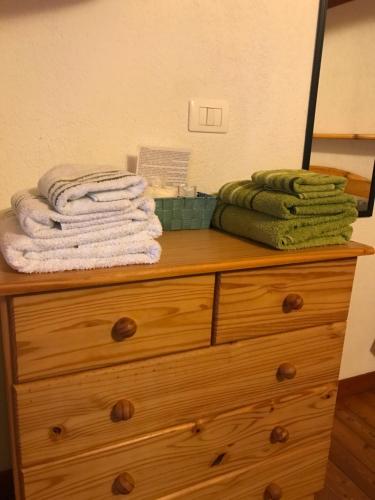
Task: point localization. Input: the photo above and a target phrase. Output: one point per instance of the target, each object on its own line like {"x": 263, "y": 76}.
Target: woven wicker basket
{"x": 185, "y": 213}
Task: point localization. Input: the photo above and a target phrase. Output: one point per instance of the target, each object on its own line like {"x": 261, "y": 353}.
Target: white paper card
{"x": 170, "y": 165}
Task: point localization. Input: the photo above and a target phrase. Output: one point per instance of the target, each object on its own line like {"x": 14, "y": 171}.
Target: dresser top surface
{"x": 184, "y": 253}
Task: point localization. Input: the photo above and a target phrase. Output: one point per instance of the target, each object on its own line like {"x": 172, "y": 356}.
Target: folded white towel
{"x": 30, "y": 255}
{"x": 7, "y": 226}
{"x": 37, "y": 218}
{"x": 77, "y": 189}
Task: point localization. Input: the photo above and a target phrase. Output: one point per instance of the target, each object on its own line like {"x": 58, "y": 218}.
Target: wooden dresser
{"x": 211, "y": 375}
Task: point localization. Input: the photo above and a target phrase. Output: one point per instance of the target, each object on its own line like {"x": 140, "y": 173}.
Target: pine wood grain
{"x": 251, "y": 302}
{"x": 354, "y": 443}
{"x": 9, "y": 369}
{"x": 356, "y": 473}
{"x": 353, "y": 439}
{"x": 62, "y": 332}
{"x": 183, "y": 253}
{"x": 360, "y": 405}
{"x": 342, "y": 486}
{"x": 169, "y": 390}
{"x": 210, "y": 406}
{"x": 299, "y": 474}
{"x": 356, "y": 424}
{"x": 170, "y": 461}
{"x": 326, "y": 494}
{"x": 352, "y": 467}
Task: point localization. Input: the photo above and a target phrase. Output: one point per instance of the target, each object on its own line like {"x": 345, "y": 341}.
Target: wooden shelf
{"x": 358, "y": 137}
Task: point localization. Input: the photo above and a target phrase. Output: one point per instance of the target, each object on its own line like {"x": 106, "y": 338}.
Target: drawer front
{"x": 62, "y": 332}
{"x": 75, "y": 413}
{"x": 297, "y": 475}
{"x": 280, "y": 299}
{"x": 192, "y": 453}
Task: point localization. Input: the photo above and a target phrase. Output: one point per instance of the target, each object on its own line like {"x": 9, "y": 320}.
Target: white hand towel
{"x": 25, "y": 255}
{"x": 38, "y": 220}
{"x": 78, "y": 189}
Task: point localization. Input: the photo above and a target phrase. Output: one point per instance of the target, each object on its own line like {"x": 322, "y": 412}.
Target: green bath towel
{"x": 246, "y": 194}
{"x": 302, "y": 183}
{"x": 283, "y": 234}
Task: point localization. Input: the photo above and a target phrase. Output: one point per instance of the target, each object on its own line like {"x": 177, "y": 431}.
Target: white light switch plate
{"x": 208, "y": 115}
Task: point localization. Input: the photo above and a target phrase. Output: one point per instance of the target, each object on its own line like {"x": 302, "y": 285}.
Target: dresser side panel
{"x": 6, "y": 334}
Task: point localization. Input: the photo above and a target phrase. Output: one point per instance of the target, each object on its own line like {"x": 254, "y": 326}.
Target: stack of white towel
{"x": 80, "y": 218}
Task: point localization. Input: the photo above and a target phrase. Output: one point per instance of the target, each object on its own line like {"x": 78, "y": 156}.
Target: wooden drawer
{"x": 299, "y": 474}
{"x": 66, "y": 415}
{"x": 279, "y": 299}
{"x": 68, "y": 331}
{"x": 173, "y": 460}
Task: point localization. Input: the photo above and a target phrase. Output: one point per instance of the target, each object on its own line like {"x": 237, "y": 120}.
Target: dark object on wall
{"x": 319, "y": 38}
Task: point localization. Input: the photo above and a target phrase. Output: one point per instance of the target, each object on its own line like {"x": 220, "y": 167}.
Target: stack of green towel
{"x": 287, "y": 209}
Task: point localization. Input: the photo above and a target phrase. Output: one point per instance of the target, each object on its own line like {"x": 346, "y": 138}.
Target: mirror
{"x": 340, "y": 134}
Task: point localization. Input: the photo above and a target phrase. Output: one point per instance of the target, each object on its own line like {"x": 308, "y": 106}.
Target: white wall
{"x": 346, "y": 103}
{"x": 87, "y": 81}
{"x": 90, "y": 80}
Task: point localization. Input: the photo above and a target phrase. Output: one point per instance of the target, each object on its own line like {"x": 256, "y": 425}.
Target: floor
{"x": 351, "y": 469}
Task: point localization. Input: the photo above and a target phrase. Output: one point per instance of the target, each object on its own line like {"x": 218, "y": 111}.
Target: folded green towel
{"x": 302, "y": 183}
{"x": 285, "y": 206}
{"x": 283, "y": 234}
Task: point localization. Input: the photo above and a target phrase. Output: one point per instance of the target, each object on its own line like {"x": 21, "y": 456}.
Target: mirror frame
{"x": 314, "y": 85}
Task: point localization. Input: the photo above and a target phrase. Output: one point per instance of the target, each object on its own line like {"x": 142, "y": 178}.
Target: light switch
{"x": 203, "y": 116}
{"x": 218, "y": 117}
{"x": 210, "y": 116}
{"x": 207, "y": 115}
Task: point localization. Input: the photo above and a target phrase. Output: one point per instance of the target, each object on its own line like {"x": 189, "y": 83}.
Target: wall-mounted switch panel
{"x": 207, "y": 115}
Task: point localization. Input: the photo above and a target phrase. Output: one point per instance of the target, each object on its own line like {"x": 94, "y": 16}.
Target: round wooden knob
{"x": 279, "y": 435}
{"x": 123, "y": 484}
{"x": 123, "y": 329}
{"x": 292, "y": 302}
{"x": 122, "y": 410}
{"x": 286, "y": 371}
{"x": 273, "y": 492}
